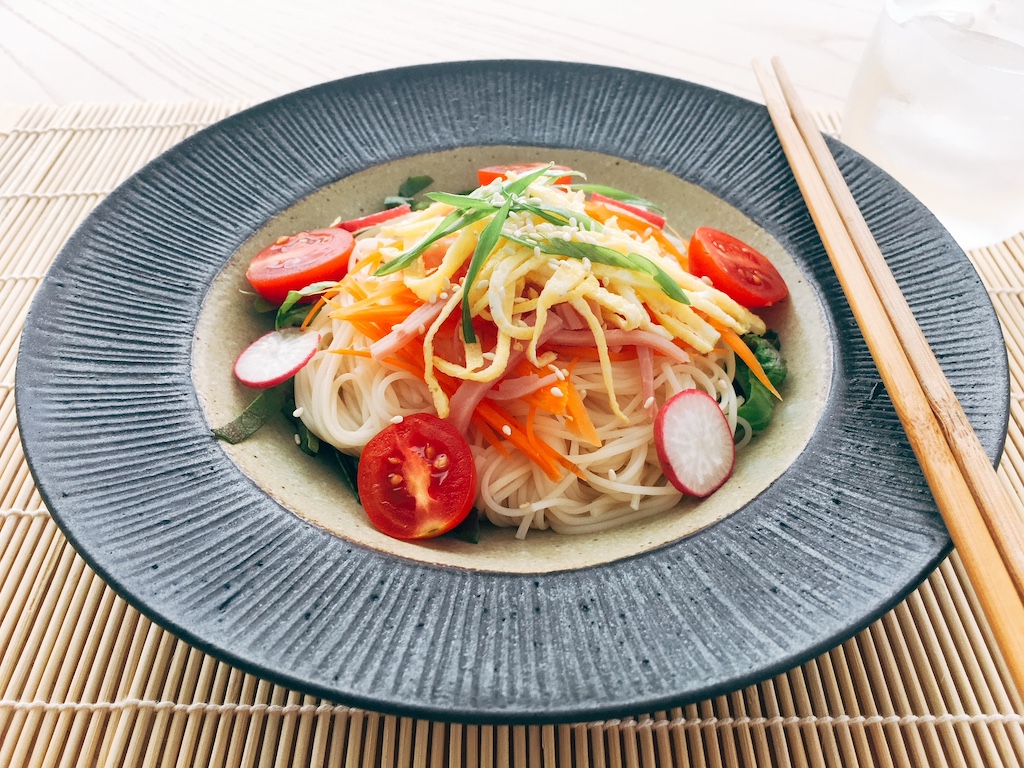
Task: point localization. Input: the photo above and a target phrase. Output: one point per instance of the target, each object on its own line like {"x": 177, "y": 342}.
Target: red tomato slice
{"x": 489, "y": 174}
{"x": 373, "y": 219}
{"x": 300, "y": 260}
{"x": 735, "y": 268}
{"x": 650, "y": 216}
{"x": 417, "y": 478}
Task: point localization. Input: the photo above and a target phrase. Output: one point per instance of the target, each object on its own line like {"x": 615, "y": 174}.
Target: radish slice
{"x": 275, "y": 357}
{"x": 694, "y": 442}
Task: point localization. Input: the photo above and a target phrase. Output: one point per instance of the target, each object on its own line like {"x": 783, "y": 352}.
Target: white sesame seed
{"x": 422, "y": 330}
{"x": 395, "y": 327}
{"x": 297, "y": 413}
{"x": 586, "y": 263}
{"x": 298, "y": 440}
{"x": 525, "y": 505}
{"x": 556, "y": 392}
{"x": 397, "y": 419}
{"x": 443, "y": 296}
{"x": 505, "y": 430}
{"x": 649, "y": 402}
{"x": 611, "y": 474}
{"x": 482, "y": 285}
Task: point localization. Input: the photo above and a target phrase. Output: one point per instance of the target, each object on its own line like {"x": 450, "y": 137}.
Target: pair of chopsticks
{"x": 981, "y": 518}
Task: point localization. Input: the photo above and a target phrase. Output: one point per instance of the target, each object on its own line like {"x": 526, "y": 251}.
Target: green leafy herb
{"x": 463, "y": 202}
{"x": 407, "y": 193}
{"x": 759, "y": 404}
{"x": 600, "y": 254}
{"x": 453, "y": 222}
{"x": 262, "y": 409}
{"x": 617, "y": 194}
{"x": 468, "y": 530}
{"x": 488, "y": 239}
{"x": 349, "y": 466}
{"x": 288, "y": 314}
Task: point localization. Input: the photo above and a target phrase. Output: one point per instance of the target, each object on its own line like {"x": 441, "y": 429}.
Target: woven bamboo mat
{"x": 85, "y": 680}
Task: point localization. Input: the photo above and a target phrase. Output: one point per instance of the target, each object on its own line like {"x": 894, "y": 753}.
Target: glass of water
{"x": 938, "y": 102}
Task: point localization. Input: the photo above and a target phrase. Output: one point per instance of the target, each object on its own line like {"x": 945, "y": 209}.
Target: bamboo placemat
{"x": 86, "y": 680}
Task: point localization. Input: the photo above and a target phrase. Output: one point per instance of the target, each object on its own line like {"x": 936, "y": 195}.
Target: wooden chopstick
{"x": 1001, "y": 514}
{"x": 964, "y": 493}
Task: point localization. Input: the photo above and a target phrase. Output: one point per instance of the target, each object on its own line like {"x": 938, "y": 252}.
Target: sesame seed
{"x": 397, "y": 419}
{"x": 443, "y": 296}
{"x": 298, "y": 440}
{"x": 281, "y": 240}
{"x": 505, "y": 430}
{"x": 482, "y": 285}
{"x": 297, "y": 413}
{"x": 611, "y": 474}
{"x": 556, "y": 392}
{"x": 649, "y": 402}
{"x": 586, "y": 263}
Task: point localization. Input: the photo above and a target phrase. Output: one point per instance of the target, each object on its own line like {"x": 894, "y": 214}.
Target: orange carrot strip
{"x": 737, "y": 345}
{"x": 313, "y": 311}
{"x": 580, "y": 419}
{"x": 489, "y": 435}
{"x": 498, "y": 419}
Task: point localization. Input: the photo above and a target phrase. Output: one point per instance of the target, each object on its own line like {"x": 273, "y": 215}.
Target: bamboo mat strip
{"x": 85, "y": 680}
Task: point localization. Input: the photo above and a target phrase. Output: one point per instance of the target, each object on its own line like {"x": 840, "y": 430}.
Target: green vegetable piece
{"x": 468, "y": 530}
{"x": 759, "y": 405}
{"x": 308, "y": 442}
{"x": 262, "y": 409}
{"x": 349, "y": 466}
{"x": 488, "y": 239}
{"x": 770, "y": 357}
{"x": 453, "y": 222}
{"x": 414, "y": 185}
{"x": 289, "y": 314}
{"x": 600, "y": 254}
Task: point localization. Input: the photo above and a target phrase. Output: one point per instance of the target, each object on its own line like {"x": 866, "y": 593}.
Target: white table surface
{"x": 69, "y": 51}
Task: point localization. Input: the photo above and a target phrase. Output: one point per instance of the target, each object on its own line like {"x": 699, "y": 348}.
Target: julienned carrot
{"x": 542, "y": 454}
{"x": 737, "y": 345}
{"x": 489, "y": 435}
{"x": 579, "y": 418}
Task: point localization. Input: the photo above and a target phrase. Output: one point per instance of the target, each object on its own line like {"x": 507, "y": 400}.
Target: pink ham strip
{"x": 619, "y": 338}
{"x": 469, "y": 394}
{"x": 521, "y": 386}
{"x": 646, "y": 358}
{"x": 414, "y": 325}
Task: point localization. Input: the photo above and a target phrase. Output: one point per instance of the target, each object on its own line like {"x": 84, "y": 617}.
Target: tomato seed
{"x": 431, "y": 452}
{"x": 441, "y": 462}
{"x": 395, "y": 479}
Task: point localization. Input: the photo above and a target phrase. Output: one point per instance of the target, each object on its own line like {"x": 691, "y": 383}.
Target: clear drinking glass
{"x": 938, "y": 102}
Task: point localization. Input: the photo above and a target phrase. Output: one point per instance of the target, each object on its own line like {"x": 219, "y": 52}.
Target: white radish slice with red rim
{"x": 694, "y": 442}
{"x": 275, "y": 357}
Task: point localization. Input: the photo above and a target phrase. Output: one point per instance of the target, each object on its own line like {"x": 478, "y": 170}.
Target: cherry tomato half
{"x": 300, "y": 260}
{"x": 417, "y": 478}
{"x": 735, "y": 268}
{"x": 489, "y": 174}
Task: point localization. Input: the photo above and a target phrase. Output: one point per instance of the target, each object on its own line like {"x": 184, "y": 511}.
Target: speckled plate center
{"x": 315, "y": 490}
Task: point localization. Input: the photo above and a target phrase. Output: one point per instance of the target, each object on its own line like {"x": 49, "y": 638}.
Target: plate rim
{"x": 39, "y": 453}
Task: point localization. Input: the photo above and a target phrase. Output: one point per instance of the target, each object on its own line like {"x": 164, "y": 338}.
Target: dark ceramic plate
{"x": 121, "y": 450}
